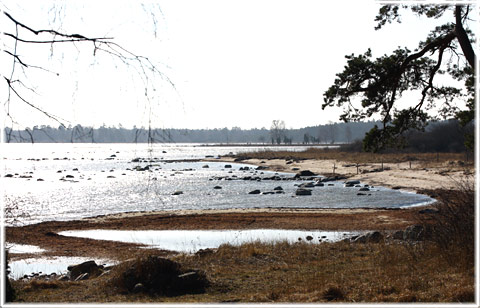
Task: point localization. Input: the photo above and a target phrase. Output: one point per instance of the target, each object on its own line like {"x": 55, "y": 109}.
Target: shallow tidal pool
{"x": 190, "y": 241}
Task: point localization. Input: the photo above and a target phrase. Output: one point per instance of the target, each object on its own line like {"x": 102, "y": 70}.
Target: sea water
{"x": 72, "y": 181}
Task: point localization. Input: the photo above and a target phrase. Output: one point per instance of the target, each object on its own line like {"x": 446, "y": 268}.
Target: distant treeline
{"x": 330, "y": 133}
{"x": 442, "y": 136}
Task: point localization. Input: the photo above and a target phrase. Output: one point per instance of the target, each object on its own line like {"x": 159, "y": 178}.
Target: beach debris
{"x": 83, "y": 276}
{"x": 369, "y": 237}
{"x": 138, "y": 288}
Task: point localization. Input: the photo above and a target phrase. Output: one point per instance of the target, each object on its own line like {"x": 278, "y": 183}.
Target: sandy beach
{"x": 409, "y": 176}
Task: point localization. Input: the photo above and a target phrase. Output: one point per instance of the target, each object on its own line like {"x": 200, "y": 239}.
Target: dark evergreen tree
{"x": 381, "y": 82}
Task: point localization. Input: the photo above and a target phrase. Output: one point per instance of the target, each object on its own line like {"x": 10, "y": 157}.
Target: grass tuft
{"x": 36, "y": 284}
{"x": 333, "y": 293}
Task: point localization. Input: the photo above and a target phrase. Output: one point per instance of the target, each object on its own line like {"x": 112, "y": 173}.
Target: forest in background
{"x": 330, "y": 133}
{"x": 441, "y": 136}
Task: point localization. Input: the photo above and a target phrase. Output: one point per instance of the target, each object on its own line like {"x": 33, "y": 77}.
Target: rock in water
{"x": 303, "y": 192}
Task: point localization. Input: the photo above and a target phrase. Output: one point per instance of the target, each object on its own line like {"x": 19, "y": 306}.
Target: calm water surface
{"x": 71, "y": 181}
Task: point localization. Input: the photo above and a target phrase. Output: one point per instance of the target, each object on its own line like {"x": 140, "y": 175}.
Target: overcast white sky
{"x": 233, "y": 63}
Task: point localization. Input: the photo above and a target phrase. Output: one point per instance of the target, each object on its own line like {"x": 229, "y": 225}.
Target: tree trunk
{"x": 462, "y": 37}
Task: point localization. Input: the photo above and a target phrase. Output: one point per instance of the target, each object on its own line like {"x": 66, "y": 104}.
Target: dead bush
{"x": 454, "y": 224}
{"x": 156, "y": 275}
{"x": 333, "y": 293}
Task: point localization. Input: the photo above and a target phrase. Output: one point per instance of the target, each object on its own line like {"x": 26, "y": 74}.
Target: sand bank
{"x": 408, "y": 176}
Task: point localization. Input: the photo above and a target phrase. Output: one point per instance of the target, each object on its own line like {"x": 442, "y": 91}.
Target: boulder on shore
{"x": 304, "y": 173}
{"x": 89, "y": 267}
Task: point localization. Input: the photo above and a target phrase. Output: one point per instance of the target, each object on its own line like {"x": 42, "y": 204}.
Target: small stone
{"x": 138, "y": 288}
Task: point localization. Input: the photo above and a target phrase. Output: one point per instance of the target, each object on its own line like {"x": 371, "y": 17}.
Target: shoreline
{"x": 45, "y": 234}
{"x": 411, "y": 177}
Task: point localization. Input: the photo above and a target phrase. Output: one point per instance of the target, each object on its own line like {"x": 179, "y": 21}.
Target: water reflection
{"x": 193, "y": 240}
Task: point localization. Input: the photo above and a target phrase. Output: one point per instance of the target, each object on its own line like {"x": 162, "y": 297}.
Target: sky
{"x": 221, "y": 63}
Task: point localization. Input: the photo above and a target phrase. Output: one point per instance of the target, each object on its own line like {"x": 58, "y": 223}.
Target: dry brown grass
{"x": 299, "y": 272}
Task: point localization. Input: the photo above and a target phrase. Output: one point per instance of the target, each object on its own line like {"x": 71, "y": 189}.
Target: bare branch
{"x": 53, "y": 117}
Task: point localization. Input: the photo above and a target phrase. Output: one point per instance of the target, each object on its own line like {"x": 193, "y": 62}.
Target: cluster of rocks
{"x": 147, "y": 160}
{"x": 77, "y": 272}
{"x": 151, "y": 274}
{"x": 276, "y": 190}
{"x": 411, "y": 233}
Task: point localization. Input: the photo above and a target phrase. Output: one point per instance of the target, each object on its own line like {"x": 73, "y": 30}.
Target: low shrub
{"x": 156, "y": 275}
{"x": 454, "y": 224}
{"x": 333, "y": 293}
